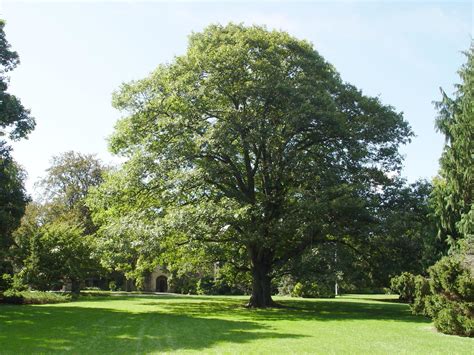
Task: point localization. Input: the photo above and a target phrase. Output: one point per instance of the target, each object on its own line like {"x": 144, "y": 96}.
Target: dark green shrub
{"x": 312, "y": 290}
{"x": 112, "y": 286}
{"x": 223, "y": 286}
{"x": 205, "y": 286}
{"x": 422, "y": 293}
{"x": 12, "y": 282}
{"x": 286, "y": 285}
{"x": 185, "y": 284}
{"x": 297, "y": 290}
{"x": 455, "y": 318}
{"x": 451, "y": 304}
{"x": 5, "y": 282}
{"x": 404, "y": 285}
{"x": 33, "y": 297}
{"x": 12, "y": 297}
{"x": 450, "y": 277}
{"x": 323, "y": 290}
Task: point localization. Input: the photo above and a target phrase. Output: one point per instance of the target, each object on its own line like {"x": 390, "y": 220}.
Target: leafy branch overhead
{"x": 15, "y": 120}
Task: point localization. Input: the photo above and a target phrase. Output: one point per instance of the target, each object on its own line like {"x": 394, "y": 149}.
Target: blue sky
{"x": 75, "y": 54}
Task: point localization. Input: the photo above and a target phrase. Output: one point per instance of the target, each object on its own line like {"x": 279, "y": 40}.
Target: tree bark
{"x": 261, "y": 280}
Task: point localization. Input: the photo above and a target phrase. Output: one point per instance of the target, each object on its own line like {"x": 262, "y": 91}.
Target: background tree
{"x": 252, "y": 142}
{"x": 448, "y": 295}
{"x": 15, "y": 123}
{"x": 67, "y": 183}
{"x": 125, "y": 218}
{"x": 125, "y": 210}
{"x": 451, "y": 303}
{"x": 15, "y": 120}
{"x": 54, "y": 241}
{"x": 13, "y": 199}
{"x": 452, "y": 196}
{"x": 35, "y": 215}
{"x": 57, "y": 252}
{"x": 402, "y": 238}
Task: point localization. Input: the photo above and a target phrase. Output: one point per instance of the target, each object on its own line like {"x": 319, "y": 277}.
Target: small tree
{"x": 67, "y": 183}
{"x": 452, "y": 278}
{"x": 54, "y": 241}
{"x": 453, "y": 193}
{"x": 59, "y": 252}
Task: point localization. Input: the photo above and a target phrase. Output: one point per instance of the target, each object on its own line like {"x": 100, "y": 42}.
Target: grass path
{"x": 152, "y": 324}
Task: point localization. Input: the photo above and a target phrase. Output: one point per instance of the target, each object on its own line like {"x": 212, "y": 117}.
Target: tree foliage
{"x": 404, "y": 239}
{"x": 126, "y": 221}
{"x": 13, "y": 199}
{"x": 67, "y": 183}
{"x": 454, "y": 189}
{"x": 447, "y": 296}
{"x": 54, "y": 243}
{"x": 253, "y": 143}
{"x": 15, "y": 120}
{"x": 401, "y": 238}
{"x": 15, "y": 123}
{"x": 450, "y": 297}
{"x": 58, "y": 252}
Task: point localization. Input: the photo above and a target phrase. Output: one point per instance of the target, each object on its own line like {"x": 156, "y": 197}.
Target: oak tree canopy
{"x": 251, "y": 142}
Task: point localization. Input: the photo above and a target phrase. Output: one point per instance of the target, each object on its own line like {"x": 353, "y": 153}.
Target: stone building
{"x": 157, "y": 281}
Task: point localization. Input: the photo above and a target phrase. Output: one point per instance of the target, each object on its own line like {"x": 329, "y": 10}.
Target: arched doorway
{"x": 161, "y": 284}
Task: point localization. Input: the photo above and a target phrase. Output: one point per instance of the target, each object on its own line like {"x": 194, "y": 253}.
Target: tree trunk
{"x": 261, "y": 280}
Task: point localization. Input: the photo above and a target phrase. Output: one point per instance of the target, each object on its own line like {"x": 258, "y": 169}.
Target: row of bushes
{"x": 13, "y": 291}
{"x": 32, "y": 297}
{"x": 447, "y": 296}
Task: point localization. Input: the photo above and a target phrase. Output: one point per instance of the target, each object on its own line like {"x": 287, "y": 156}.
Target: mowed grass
{"x": 167, "y": 323}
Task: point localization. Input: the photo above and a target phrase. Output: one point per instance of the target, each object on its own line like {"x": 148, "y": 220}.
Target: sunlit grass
{"x": 146, "y": 324}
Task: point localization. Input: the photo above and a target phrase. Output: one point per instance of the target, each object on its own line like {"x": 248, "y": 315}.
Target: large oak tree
{"x": 253, "y": 144}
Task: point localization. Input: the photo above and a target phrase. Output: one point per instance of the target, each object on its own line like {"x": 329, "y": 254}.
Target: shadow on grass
{"x": 169, "y": 323}
{"x": 26, "y": 329}
{"x": 320, "y": 310}
{"x": 98, "y": 297}
{"x": 293, "y": 309}
{"x": 386, "y": 300}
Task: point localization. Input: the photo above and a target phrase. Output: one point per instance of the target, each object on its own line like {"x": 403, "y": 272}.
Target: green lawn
{"x": 147, "y": 324}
